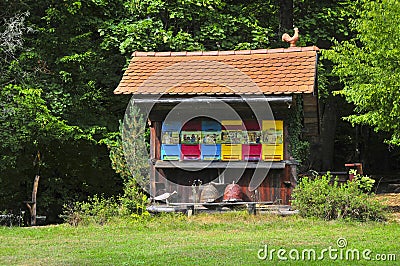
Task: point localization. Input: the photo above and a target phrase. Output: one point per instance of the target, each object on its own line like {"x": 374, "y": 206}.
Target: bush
{"x": 96, "y": 209}
{"x": 101, "y": 210}
{"x": 365, "y": 183}
{"x": 323, "y": 197}
{"x": 134, "y": 200}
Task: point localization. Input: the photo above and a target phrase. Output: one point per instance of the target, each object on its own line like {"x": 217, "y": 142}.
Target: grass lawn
{"x": 223, "y": 239}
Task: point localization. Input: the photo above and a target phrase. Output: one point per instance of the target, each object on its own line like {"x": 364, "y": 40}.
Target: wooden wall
{"x": 277, "y": 185}
{"x": 311, "y": 116}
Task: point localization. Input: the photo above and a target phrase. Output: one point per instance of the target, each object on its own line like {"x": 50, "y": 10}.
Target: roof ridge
{"x": 229, "y": 52}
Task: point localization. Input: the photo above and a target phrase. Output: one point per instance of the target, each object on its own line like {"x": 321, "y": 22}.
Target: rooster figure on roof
{"x": 292, "y": 40}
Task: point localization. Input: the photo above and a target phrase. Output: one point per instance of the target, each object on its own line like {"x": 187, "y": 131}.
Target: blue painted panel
{"x": 210, "y": 125}
{"x": 210, "y": 152}
{"x": 171, "y": 126}
{"x": 170, "y": 152}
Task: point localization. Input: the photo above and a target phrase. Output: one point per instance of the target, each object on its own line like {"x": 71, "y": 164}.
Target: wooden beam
{"x": 211, "y": 164}
{"x": 152, "y": 158}
{"x": 242, "y": 99}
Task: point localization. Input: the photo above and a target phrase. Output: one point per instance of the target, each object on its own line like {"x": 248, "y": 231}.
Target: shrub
{"x": 134, "y": 201}
{"x": 100, "y": 210}
{"x": 323, "y": 197}
{"x": 365, "y": 183}
{"x": 96, "y": 209}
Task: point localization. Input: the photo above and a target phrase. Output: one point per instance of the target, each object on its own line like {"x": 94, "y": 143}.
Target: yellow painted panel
{"x": 231, "y": 152}
{"x": 231, "y": 122}
{"x": 272, "y": 139}
{"x": 272, "y": 124}
{"x": 272, "y": 152}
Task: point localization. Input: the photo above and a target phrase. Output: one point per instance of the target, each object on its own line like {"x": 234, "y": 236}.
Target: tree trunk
{"x": 285, "y": 15}
{"x": 32, "y": 204}
{"x": 328, "y": 130}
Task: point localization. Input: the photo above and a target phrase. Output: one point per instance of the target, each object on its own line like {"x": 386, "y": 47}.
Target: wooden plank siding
{"x": 180, "y": 175}
{"x": 311, "y": 116}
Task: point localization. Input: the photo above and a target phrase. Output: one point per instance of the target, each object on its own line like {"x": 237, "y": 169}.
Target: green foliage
{"x": 368, "y": 66}
{"x": 190, "y": 25}
{"x": 96, "y": 209}
{"x": 299, "y": 149}
{"x": 323, "y": 197}
{"x": 320, "y": 21}
{"x": 134, "y": 201}
{"x": 129, "y": 148}
{"x": 116, "y": 154}
{"x": 133, "y": 132}
{"x": 73, "y": 53}
{"x": 101, "y": 210}
{"x": 27, "y": 123}
{"x": 128, "y": 155}
{"x": 364, "y": 183}
{"x": 56, "y": 84}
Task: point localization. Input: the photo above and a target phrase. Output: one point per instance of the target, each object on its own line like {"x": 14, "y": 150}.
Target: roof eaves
{"x": 229, "y": 52}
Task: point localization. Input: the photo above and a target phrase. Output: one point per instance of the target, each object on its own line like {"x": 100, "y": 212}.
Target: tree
{"x": 28, "y": 128}
{"x": 27, "y": 122}
{"x": 191, "y": 25}
{"x": 285, "y": 15}
{"x": 72, "y": 55}
{"x": 61, "y": 80}
{"x": 369, "y": 68}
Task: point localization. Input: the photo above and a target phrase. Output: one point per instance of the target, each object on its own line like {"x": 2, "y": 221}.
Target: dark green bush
{"x": 323, "y": 197}
{"x": 100, "y": 210}
{"x": 96, "y": 209}
{"x": 134, "y": 201}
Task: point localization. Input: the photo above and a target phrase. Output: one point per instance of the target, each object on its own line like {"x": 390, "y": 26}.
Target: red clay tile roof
{"x": 264, "y": 71}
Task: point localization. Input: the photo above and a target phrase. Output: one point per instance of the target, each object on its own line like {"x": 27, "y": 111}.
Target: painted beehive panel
{"x": 170, "y": 152}
{"x": 170, "y": 137}
{"x": 272, "y": 140}
{"x": 210, "y": 125}
{"x": 170, "y": 148}
{"x": 232, "y": 125}
{"x": 190, "y": 137}
{"x": 251, "y": 152}
{"x": 210, "y": 132}
{"x": 211, "y": 145}
{"x": 192, "y": 125}
{"x": 171, "y": 126}
{"x": 211, "y": 152}
{"x": 190, "y": 152}
{"x": 231, "y": 152}
{"x": 252, "y": 148}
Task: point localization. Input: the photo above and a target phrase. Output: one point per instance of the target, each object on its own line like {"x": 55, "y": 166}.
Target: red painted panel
{"x": 252, "y": 125}
{"x": 192, "y": 125}
{"x": 251, "y": 152}
{"x": 190, "y": 152}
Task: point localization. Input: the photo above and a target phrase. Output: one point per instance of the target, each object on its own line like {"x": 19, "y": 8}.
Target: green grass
{"x": 226, "y": 239}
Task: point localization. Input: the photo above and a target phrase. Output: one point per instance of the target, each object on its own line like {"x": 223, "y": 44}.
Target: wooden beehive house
{"x": 222, "y": 116}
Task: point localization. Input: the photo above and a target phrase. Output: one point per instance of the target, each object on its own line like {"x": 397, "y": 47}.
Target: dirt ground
{"x": 392, "y": 200}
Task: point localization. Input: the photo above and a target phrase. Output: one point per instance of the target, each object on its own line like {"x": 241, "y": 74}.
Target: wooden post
{"x": 32, "y": 204}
